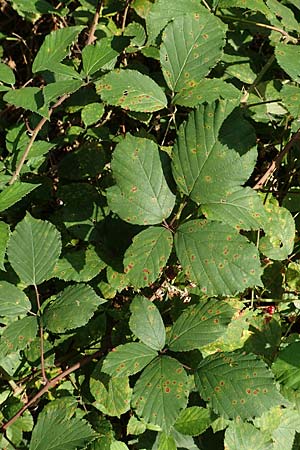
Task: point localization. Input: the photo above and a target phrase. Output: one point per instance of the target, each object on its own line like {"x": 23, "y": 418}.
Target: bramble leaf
{"x": 244, "y": 436}
{"x": 112, "y": 395}
{"x": 141, "y": 195}
{"x": 15, "y": 192}
{"x": 147, "y": 255}
{"x": 13, "y": 301}
{"x": 17, "y": 335}
{"x": 4, "y": 236}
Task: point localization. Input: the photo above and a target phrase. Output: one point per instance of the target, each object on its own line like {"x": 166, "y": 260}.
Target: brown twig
{"x": 125, "y": 15}
{"x": 50, "y": 384}
{"x": 91, "y": 35}
{"x": 34, "y": 136}
{"x": 275, "y": 164}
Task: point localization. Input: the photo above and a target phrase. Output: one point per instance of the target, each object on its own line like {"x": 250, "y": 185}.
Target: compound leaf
{"x": 161, "y": 392}
{"x": 191, "y": 45}
{"x": 33, "y": 249}
{"x": 217, "y": 258}
{"x": 237, "y": 384}
{"x": 13, "y": 301}
{"x": 72, "y": 308}
{"x": 128, "y": 359}
{"x": 147, "y": 255}
{"x": 146, "y": 323}
{"x": 131, "y": 90}
{"x": 200, "y": 325}
{"x": 55, "y": 431}
{"x": 141, "y": 195}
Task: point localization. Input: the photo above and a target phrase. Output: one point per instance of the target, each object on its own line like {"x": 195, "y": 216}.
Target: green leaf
{"x": 244, "y": 436}
{"x": 161, "y": 392}
{"x": 135, "y": 426}
{"x": 72, "y": 308}
{"x": 55, "y": 90}
{"x": 200, "y": 325}
{"x": 112, "y": 395}
{"x": 166, "y": 442}
{"x": 84, "y": 163}
{"x": 193, "y": 421}
{"x": 163, "y": 11}
{"x": 4, "y": 236}
{"x": 55, "y": 431}
{"x": 55, "y": 48}
{"x": 13, "y": 301}
{"x": 288, "y": 58}
{"x": 118, "y": 445}
{"x": 33, "y": 249}
{"x": 14, "y": 193}
{"x": 147, "y": 255}
{"x": 286, "y": 366}
{"x": 128, "y": 359}
{"x": 17, "y": 335}
{"x": 142, "y": 195}
{"x": 102, "y": 54}
{"x": 28, "y": 98}
{"x": 6, "y": 74}
{"x": 291, "y": 99}
{"x": 131, "y": 90}
{"x": 146, "y": 323}
{"x": 217, "y": 257}
{"x": 237, "y": 384}
{"x": 92, "y": 113}
{"x": 211, "y": 173}
{"x": 79, "y": 264}
{"x": 278, "y": 243}
{"x": 191, "y": 46}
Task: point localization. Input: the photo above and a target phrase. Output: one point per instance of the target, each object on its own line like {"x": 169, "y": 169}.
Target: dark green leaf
{"x": 12, "y": 194}
{"x": 4, "y": 236}
{"x": 17, "y": 335}
{"x": 13, "y": 301}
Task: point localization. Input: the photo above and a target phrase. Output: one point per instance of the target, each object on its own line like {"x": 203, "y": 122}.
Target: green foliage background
{"x": 149, "y": 232}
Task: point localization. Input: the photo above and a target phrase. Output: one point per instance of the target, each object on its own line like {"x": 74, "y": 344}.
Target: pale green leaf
{"x": 4, "y": 236}
{"x": 166, "y": 442}
{"x": 112, "y": 396}
{"x": 6, "y": 74}
{"x": 55, "y": 431}
{"x": 193, "y": 421}
{"x": 135, "y": 426}
{"x": 244, "y": 436}
{"x": 55, "y": 48}
{"x": 141, "y": 195}
{"x": 131, "y": 90}
{"x": 118, "y": 445}
{"x": 147, "y": 256}
{"x": 146, "y": 323}
{"x": 15, "y": 192}
{"x": 92, "y": 113}
{"x": 237, "y": 384}
{"x": 217, "y": 258}
{"x": 33, "y": 250}
{"x": 13, "y": 301}
{"x": 200, "y": 325}
{"x": 72, "y": 308}
{"x": 128, "y": 359}
{"x": 161, "y": 392}
{"x": 288, "y": 58}
{"x": 191, "y": 45}
{"x": 17, "y": 335}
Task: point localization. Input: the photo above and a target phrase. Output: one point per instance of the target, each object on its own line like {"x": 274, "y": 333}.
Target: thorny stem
{"x": 50, "y": 384}
{"x": 91, "y": 35}
{"x": 287, "y": 36}
{"x": 41, "y": 331}
{"x": 275, "y": 164}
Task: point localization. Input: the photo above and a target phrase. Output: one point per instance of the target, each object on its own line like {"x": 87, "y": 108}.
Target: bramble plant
{"x": 149, "y": 233}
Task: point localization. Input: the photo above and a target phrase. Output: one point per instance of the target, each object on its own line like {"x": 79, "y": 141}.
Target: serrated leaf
{"x": 33, "y": 249}
{"x": 4, "y": 236}
{"x": 6, "y": 74}
{"x": 55, "y": 48}
{"x": 166, "y": 442}
{"x": 280, "y": 232}
{"x": 244, "y": 436}
{"x": 200, "y": 325}
{"x": 286, "y": 366}
{"x": 13, "y": 301}
{"x": 79, "y": 264}
{"x": 112, "y": 395}
{"x": 92, "y": 113}
{"x": 131, "y": 90}
{"x": 193, "y": 421}
{"x": 103, "y": 53}
{"x": 146, "y": 323}
{"x": 237, "y": 384}
{"x": 135, "y": 426}
{"x": 28, "y": 98}
{"x": 17, "y": 335}
{"x": 147, "y": 255}
{"x": 161, "y": 392}
{"x": 288, "y": 58}
{"x": 128, "y": 359}
{"x": 55, "y": 90}
{"x": 191, "y": 45}
{"x": 72, "y": 308}
{"x": 163, "y": 11}
{"x": 217, "y": 257}
{"x": 141, "y": 195}
{"x": 211, "y": 173}
{"x": 291, "y": 99}
{"x": 15, "y": 192}
{"x": 55, "y": 431}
